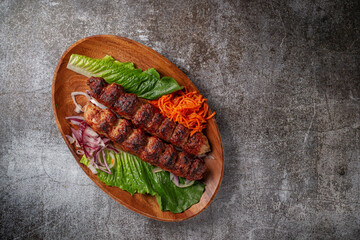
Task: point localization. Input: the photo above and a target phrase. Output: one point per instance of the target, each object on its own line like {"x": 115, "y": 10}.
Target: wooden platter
{"x": 125, "y": 50}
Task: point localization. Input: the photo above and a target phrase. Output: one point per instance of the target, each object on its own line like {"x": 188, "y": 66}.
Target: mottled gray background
{"x": 282, "y": 76}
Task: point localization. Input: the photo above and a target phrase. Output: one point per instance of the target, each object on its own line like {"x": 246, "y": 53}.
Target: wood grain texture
{"x": 66, "y": 81}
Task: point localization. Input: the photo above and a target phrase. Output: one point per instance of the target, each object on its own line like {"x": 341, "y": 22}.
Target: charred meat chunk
{"x": 180, "y": 135}
{"x": 153, "y": 150}
{"x": 147, "y": 117}
{"x": 150, "y": 149}
{"x": 127, "y": 104}
{"x": 168, "y": 157}
{"x": 121, "y": 130}
{"x": 155, "y": 123}
{"x": 197, "y": 144}
{"x": 144, "y": 115}
{"x": 136, "y": 142}
{"x": 166, "y": 129}
{"x": 110, "y": 94}
{"x": 96, "y": 86}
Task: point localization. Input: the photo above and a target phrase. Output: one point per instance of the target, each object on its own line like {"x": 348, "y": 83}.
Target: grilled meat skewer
{"x": 146, "y": 116}
{"x": 150, "y": 149}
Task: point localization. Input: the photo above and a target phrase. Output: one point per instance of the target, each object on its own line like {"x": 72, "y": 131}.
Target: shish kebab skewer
{"x": 146, "y": 116}
{"x": 150, "y": 149}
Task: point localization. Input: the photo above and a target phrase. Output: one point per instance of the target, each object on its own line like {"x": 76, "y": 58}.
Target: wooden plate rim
{"x": 99, "y": 183}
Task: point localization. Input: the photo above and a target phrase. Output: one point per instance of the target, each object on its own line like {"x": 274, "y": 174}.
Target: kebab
{"x": 150, "y": 149}
{"x": 146, "y": 116}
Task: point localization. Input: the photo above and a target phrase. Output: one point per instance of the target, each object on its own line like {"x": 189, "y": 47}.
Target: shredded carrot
{"x": 187, "y": 108}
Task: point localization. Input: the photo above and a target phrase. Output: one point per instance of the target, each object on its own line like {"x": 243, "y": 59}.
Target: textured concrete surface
{"x": 283, "y": 77}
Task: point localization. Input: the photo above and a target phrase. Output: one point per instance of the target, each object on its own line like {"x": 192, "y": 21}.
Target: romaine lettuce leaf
{"x": 146, "y": 84}
{"x": 85, "y": 161}
{"x": 132, "y": 174}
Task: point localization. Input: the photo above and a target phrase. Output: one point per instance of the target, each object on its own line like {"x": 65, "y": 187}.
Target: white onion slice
{"x": 78, "y": 108}
{"x": 97, "y": 103}
{"x": 186, "y": 184}
{"x": 156, "y": 170}
{"x": 175, "y": 180}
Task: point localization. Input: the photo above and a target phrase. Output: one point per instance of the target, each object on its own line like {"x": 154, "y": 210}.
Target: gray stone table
{"x": 282, "y": 76}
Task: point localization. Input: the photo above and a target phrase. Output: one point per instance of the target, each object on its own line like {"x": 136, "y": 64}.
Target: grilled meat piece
{"x": 144, "y": 115}
{"x": 153, "y": 125}
{"x": 121, "y": 130}
{"x": 168, "y": 157}
{"x": 197, "y": 143}
{"x": 147, "y": 117}
{"x": 136, "y": 142}
{"x": 96, "y": 86}
{"x": 149, "y": 148}
{"x": 126, "y": 105}
{"x": 102, "y": 120}
{"x": 154, "y": 148}
{"x": 110, "y": 94}
{"x": 182, "y": 162}
{"x": 180, "y": 135}
{"x": 166, "y": 129}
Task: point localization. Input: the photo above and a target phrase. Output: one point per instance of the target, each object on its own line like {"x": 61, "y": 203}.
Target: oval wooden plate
{"x": 66, "y": 81}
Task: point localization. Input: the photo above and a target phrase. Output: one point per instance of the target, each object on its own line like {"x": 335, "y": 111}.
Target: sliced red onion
{"x": 76, "y": 135}
{"x": 175, "y": 180}
{"x": 112, "y": 149}
{"x": 92, "y": 142}
{"x": 81, "y": 93}
{"x": 76, "y": 120}
{"x": 87, "y": 154}
{"x": 106, "y": 141}
{"x": 82, "y": 127}
{"x": 89, "y": 151}
{"x": 90, "y": 132}
{"x": 76, "y": 142}
{"x": 79, "y": 152}
{"x": 99, "y": 158}
{"x": 106, "y": 165}
{"x": 91, "y": 147}
{"x": 70, "y": 138}
{"x": 95, "y": 158}
{"x": 91, "y": 161}
{"x": 104, "y": 170}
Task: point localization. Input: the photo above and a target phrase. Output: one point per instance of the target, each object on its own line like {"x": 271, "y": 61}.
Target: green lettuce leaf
{"x": 146, "y": 84}
{"x": 132, "y": 174}
{"x": 85, "y": 161}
